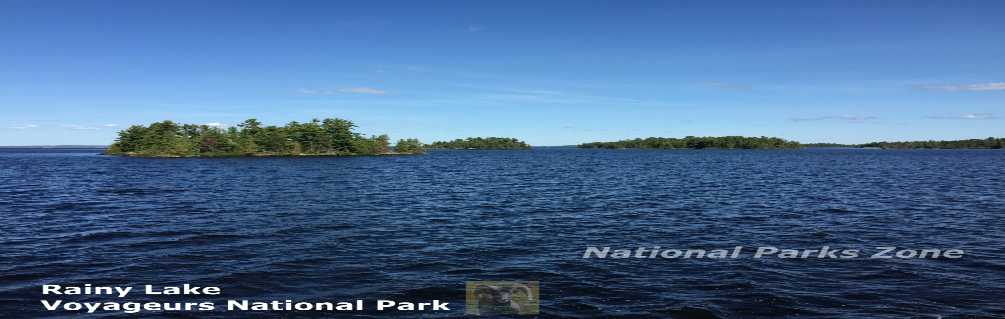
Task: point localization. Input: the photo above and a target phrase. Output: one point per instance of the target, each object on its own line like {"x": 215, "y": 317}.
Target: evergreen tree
{"x": 409, "y": 146}
{"x": 693, "y": 142}
{"x": 482, "y": 143}
{"x": 317, "y": 137}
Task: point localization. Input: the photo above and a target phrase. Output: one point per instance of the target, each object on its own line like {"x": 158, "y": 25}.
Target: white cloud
{"x": 475, "y": 28}
{"x": 77, "y": 127}
{"x": 967, "y": 116}
{"x": 846, "y": 118}
{"x": 214, "y": 124}
{"x": 307, "y": 91}
{"x": 974, "y": 87}
{"x": 541, "y": 95}
{"x": 24, "y": 127}
{"x": 362, "y": 90}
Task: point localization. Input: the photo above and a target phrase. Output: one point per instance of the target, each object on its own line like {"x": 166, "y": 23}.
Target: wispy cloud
{"x": 973, "y": 87}
{"x": 362, "y": 90}
{"x": 846, "y": 118}
{"x": 23, "y": 127}
{"x": 537, "y": 95}
{"x": 306, "y": 91}
{"x": 549, "y": 97}
{"x": 215, "y": 124}
{"x": 475, "y": 28}
{"x": 350, "y": 90}
{"x": 110, "y": 125}
{"x": 967, "y": 116}
{"x": 78, "y": 127}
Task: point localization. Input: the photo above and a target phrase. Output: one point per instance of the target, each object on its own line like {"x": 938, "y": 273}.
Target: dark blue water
{"x": 418, "y": 227}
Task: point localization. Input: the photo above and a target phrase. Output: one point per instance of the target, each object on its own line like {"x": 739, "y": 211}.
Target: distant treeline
{"x": 330, "y": 136}
{"x": 828, "y": 145}
{"x": 482, "y": 143}
{"x": 692, "y": 142}
{"x": 991, "y": 142}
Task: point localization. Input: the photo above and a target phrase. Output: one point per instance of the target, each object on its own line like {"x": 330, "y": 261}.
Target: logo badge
{"x": 486, "y": 298}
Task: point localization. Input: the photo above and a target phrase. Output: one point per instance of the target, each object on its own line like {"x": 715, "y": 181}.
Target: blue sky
{"x": 548, "y": 72}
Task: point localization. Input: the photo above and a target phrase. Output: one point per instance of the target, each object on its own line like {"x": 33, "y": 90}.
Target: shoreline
{"x": 257, "y": 155}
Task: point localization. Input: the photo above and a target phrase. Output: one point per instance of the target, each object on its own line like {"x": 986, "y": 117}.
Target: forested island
{"x": 988, "y": 143}
{"x": 692, "y": 142}
{"x": 741, "y": 142}
{"x": 336, "y": 137}
{"x": 328, "y": 137}
{"x": 829, "y": 145}
{"x": 481, "y": 143}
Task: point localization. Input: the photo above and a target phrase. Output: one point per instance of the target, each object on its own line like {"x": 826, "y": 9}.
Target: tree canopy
{"x": 482, "y": 143}
{"x": 411, "y": 146}
{"x": 828, "y": 145}
{"x": 991, "y": 142}
{"x": 331, "y": 136}
{"x": 692, "y": 142}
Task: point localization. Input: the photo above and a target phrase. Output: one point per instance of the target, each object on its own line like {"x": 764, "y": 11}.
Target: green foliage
{"x": 482, "y": 143}
{"x": 991, "y": 142}
{"x": 828, "y": 145}
{"x": 341, "y": 134}
{"x": 740, "y": 142}
{"x": 165, "y": 138}
{"x": 317, "y": 137}
{"x": 371, "y": 146}
{"x": 692, "y": 142}
{"x": 409, "y": 146}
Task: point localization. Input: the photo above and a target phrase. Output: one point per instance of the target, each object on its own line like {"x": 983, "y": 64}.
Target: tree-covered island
{"x": 328, "y": 137}
{"x": 741, "y": 142}
{"x": 692, "y": 142}
{"x": 988, "y": 143}
{"x": 481, "y": 143}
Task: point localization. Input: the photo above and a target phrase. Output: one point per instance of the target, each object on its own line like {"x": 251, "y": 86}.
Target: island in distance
{"x": 328, "y": 137}
{"x": 336, "y": 137}
{"x": 742, "y": 142}
{"x": 692, "y": 142}
{"x": 481, "y": 143}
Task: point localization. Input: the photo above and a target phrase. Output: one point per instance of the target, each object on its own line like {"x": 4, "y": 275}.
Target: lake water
{"x": 418, "y": 227}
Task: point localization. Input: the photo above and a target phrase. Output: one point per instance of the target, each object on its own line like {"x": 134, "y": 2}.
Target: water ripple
{"x": 419, "y": 227}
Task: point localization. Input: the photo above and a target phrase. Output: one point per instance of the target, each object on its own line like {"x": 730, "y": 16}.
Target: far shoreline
{"x": 102, "y": 148}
